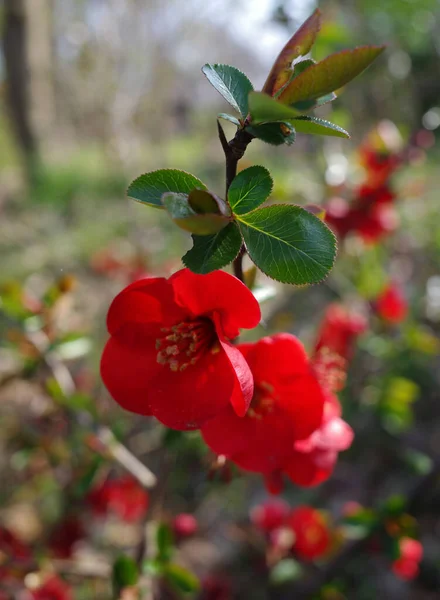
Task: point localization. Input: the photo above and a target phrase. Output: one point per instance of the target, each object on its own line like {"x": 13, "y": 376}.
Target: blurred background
{"x": 94, "y": 93}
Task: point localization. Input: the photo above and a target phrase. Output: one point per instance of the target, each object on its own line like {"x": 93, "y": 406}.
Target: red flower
{"x": 339, "y": 331}
{"x": 270, "y": 515}
{"x": 169, "y": 353}
{"x": 124, "y": 496}
{"x": 53, "y": 588}
{"x": 312, "y": 535}
{"x": 407, "y": 565}
{"x": 184, "y": 525}
{"x": 391, "y": 305}
{"x": 314, "y": 459}
{"x": 287, "y": 405}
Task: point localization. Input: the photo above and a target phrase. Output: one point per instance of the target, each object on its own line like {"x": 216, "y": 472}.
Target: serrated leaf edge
{"x": 279, "y": 280}
{"x": 204, "y": 187}
{"x": 270, "y": 191}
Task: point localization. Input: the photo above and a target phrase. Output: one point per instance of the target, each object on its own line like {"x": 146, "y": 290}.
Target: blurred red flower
{"x": 312, "y": 535}
{"x": 170, "y": 354}
{"x": 391, "y": 304}
{"x": 124, "y": 497}
{"x": 184, "y": 525}
{"x": 53, "y": 588}
{"x": 287, "y": 405}
{"x": 12, "y": 552}
{"x": 270, "y": 515}
{"x": 407, "y": 565}
{"x": 339, "y": 331}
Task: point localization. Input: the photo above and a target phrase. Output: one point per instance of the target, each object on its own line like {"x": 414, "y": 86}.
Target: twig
{"x": 234, "y": 150}
{"x": 111, "y": 446}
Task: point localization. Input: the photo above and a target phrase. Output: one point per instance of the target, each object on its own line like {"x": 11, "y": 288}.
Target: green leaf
{"x": 125, "y": 572}
{"x": 181, "y": 579}
{"x": 288, "y": 243}
{"x": 264, "y": 109}
{"x": 204, "y": 202}
{"x": 177, "y": 206}
{"x": 164, "y": 542}
{"x": 150, "y": 187}
{"x": 330, "y": 74}
{"x": 249, "y": 189}
{"x": 285, "y": 571}
{"x": 275, "y": 134}
{"x": 212, "y": 252}
{"x": 230, "y": 118}
{"x": 316, "y": 126}
{"x": 231, "y": 83}
{"x": 299, "y": 45}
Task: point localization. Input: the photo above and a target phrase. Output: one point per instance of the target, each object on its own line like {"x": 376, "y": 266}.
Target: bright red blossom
{"x": 170, "y": 354}
{"x": 312, "y": 535}
{"x": 124, "y": 497}
{"x": 407, "y": 565}
{"x": 287, "y": 405}
{"x": 391, "y": 305}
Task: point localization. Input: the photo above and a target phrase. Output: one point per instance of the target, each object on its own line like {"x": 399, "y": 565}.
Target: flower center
{"x": 263, "y": 400}
{"x": 182, "y": 345}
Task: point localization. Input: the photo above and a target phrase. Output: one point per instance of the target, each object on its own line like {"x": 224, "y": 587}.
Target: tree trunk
{"x": 15, "y": 57}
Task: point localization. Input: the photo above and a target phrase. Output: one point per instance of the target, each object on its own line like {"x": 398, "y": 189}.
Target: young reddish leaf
{"x": 265, "y": 109}
{"x": 300, "y": 44}
{"x": 330, "y": 74}
{"x": 149, "y": 188}
{"x": 315, "y": 126}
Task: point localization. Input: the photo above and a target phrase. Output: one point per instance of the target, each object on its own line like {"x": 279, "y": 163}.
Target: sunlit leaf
{"x": 316, "y": 126}
{"x": 231, "y": 83}
{"x": 288, "y": 243}
{"x": 249, "y": 189}
{"x": 264, "y": 109}
{"x": 150, "y": 187}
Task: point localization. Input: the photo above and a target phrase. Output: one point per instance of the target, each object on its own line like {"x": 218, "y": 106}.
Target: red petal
{"x": 217, "y": 292}
{"x": 303, "y": 471}
{"x": 277, "y": 359}
{"x": 186, "y": 399}
{"x": 143, "y": 302}
{"x": 127, "y": 372}
{"x": 243, "y": 392}
{"x": 336, "y": 434}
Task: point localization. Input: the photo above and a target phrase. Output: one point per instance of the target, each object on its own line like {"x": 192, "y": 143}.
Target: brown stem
{"x": 234, "y": 150}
